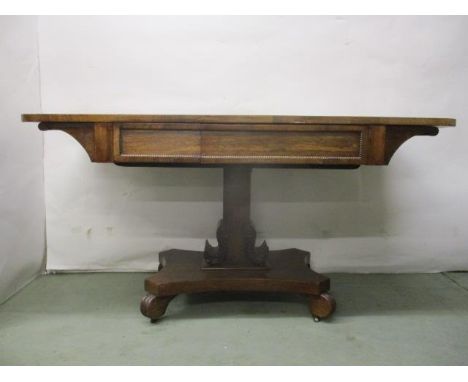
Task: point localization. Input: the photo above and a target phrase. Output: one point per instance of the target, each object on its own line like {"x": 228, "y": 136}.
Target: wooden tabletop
{"x": 239, "y": 139}
{"x": 226, "y": 119}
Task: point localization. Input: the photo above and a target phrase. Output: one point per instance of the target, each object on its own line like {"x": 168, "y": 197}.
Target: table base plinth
{"x": 287, "y": 271}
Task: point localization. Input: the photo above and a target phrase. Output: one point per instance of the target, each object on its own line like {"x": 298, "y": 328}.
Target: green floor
{"x": 94, "y": 319}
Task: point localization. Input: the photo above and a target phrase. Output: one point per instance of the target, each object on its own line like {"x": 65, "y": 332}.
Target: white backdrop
{"x": 410, "y": 216}
{"x": 22, "y": 210}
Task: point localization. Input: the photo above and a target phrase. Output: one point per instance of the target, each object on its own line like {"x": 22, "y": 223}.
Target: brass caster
{"x": 321, "y": 306}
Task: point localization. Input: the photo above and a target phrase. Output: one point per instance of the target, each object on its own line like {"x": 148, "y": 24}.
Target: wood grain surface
{"x": 248, "y": 140}
{"x": 256, "y": 119}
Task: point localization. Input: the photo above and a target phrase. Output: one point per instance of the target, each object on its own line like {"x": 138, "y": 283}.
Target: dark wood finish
{"x": 153, "y": 306}
{"x": 140, "y": 145}
{"x": 255, "y": 119}
{"x": 173, "y": 143}
{"x": 295, "y": 144}
{"x": 280, "y": 147}
{"x": 103, "y": 136}
{"x": 238, "y": 143}
{"x": 236, "y": 234}
{"x": 397, "y": 135}
{"x": 288, "y": 272}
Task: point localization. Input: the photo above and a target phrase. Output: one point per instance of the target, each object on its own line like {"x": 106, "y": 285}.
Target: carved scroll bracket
{"x": 223, "y": 253}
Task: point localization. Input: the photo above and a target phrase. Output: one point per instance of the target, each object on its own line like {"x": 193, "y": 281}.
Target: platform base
{"x": 287, "y": 271}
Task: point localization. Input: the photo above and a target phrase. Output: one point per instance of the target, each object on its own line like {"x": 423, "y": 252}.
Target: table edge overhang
{"x": 239, "y": 119}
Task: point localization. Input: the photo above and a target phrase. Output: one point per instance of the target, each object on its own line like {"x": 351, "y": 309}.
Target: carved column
{"x": 236, "y": 234}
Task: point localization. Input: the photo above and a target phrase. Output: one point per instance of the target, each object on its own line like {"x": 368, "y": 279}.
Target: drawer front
{"x": 156, "y": 146}
{"x": 158, "y": 143}
{"x": 313, "y": 147}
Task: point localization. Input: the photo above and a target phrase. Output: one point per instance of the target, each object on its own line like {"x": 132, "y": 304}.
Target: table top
{"x": 254, "y": 119}
{"x": 203, "y": 140}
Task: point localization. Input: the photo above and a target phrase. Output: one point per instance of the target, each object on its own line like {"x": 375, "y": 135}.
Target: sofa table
{"x": 238, "y": 143}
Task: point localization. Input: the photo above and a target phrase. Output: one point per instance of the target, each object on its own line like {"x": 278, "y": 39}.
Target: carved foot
{"x": 153, "y": 306}
{"x": 321, "y": 306}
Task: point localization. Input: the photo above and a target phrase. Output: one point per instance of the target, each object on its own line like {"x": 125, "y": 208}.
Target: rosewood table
{"x": 238, "y": 143}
